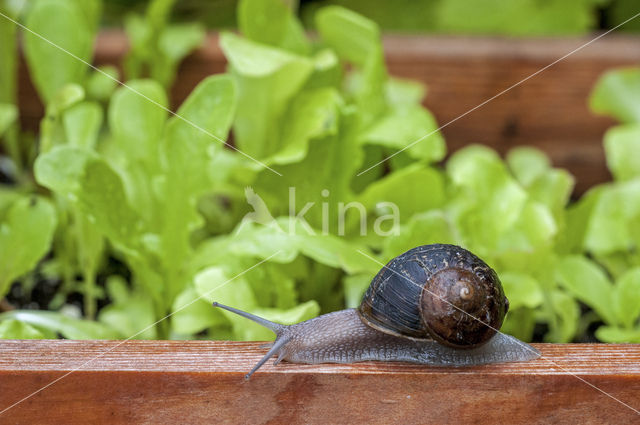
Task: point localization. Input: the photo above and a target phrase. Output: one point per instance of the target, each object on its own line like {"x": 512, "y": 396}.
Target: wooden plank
{"x": 549, "y": 110}
{"x": 202, "y": 382}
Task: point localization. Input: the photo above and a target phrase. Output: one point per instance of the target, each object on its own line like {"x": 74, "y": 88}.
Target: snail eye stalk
{"x": 275, "y": 327}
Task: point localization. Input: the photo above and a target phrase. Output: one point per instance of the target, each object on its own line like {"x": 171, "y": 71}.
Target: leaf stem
{"x": 162, "y": 328}
{"x": 90, "y": 304}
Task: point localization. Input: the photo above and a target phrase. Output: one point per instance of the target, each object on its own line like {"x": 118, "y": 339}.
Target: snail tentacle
{"x": 280, "y": 342}
{"x": 275, "y": 327}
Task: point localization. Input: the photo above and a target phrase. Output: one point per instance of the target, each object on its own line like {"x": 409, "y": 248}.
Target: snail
{"x": 435, "y": 305}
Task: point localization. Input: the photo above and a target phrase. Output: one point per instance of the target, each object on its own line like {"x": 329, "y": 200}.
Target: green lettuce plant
{"x": 607, "y": 218}
{"x": 158, "y": 46}
{"x": 73, "y": 116}
{"x": 120, "y": 179}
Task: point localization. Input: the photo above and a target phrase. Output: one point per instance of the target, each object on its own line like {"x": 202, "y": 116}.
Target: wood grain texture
{"x": 549, "y": 110}
{"x": 202, "y": 382}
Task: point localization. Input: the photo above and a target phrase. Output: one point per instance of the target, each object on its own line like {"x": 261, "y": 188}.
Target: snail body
{"x": 435, "y": 304}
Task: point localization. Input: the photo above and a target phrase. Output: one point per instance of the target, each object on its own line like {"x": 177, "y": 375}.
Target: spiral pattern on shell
{"x": 440, "y": 292}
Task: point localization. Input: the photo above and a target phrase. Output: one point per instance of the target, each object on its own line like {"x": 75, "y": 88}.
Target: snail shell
{"x": 436, "y": 291}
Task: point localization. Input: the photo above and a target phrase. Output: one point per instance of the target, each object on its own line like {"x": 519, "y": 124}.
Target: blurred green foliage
{"x": 491, "y": 17}
{"x": 517, "y": 17}
{"x": 158, "y": 46}
{"x": 118, "y": 179}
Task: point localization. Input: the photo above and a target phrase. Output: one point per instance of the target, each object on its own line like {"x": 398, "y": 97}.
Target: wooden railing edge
{"x": 202, "y": 382}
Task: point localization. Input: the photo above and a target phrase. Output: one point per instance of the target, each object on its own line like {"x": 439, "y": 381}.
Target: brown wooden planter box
{"x": 202, "y": 382}
{"x": 548, "y": 111}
